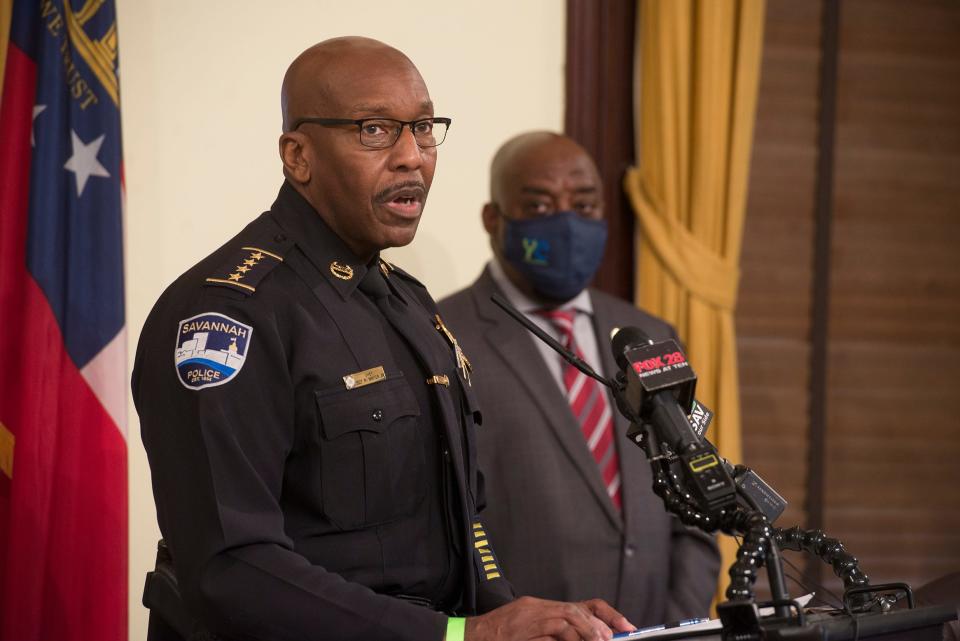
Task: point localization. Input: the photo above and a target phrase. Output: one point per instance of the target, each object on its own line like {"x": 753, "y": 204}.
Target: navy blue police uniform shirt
{"x": 313, "y": 461}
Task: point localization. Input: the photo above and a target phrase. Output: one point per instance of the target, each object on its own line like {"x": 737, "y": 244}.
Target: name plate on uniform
{"x": 366, "y": 377}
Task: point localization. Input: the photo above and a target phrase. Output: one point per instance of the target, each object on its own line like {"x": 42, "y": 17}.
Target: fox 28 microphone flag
{"x": 63, "y": 455}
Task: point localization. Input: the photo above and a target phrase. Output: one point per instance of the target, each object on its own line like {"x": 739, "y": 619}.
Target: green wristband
{"x": 456, "y": 628}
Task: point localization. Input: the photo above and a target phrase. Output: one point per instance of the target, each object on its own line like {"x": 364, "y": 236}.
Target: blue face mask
{"x": 557, "y": 254}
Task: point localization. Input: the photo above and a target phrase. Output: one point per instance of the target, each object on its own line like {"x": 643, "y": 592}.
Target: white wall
{"x": 200, "y": 101}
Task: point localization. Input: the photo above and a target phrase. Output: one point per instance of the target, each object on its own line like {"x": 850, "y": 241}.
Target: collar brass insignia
{"x": 341, "y": 271}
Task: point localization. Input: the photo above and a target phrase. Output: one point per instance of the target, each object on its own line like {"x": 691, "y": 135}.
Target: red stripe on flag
{"x": 16, "y": 119}
{"x": 65, "y": 562}
{"x": 63, "y": 515}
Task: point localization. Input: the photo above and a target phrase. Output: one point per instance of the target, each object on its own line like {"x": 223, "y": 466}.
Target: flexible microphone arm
{"x": 569, "y": 356}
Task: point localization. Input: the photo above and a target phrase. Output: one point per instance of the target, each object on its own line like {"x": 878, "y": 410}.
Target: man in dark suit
{"x": 570, "y": 500}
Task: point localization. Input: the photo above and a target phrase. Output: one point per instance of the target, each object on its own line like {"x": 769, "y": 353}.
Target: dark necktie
{"x": 374, "y": 286}
{"x": 415, "y": 328}
{"x": 590, "y": 405}
{"x": 391, "y": 305}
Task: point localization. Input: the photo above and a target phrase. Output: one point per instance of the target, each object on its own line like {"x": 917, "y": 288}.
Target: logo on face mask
{"x": 535, "y": 251}
{"x": 557, "y": 254}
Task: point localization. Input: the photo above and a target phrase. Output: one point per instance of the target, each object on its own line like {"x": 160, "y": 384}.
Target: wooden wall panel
{"x": 773, "y": 311}
{"x": 893, "y": 438}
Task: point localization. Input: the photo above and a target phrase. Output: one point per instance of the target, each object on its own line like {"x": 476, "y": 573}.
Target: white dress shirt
{"x": 583, "y": 332}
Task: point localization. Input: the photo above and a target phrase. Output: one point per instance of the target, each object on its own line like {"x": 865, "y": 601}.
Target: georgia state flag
{"x": 63, "y": 465}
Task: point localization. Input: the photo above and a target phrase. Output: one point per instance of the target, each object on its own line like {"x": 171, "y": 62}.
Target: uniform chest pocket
{"x": 372, "y": 453}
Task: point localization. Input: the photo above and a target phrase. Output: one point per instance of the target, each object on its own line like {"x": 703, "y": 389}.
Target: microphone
{"x": 658, "y": 380}
{"x": 654, "y": 389}
{"x": 624, "y": 338}
{"x": 666, "y": 384}
{"x": 660, "y": 388}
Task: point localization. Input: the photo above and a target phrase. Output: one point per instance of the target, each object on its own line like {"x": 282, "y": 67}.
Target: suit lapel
{"x": 514, "y": 346}
{"x": 633, "y": 479}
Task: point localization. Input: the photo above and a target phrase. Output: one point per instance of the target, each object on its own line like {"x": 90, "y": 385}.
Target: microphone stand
{"x": 761, "y": 542}
{"x": 757, "y": 548}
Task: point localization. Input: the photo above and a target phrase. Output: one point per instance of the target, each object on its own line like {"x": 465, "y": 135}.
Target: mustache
{"x": 414, "y": 188}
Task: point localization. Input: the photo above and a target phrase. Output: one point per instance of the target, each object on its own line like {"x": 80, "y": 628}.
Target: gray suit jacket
{"x": 557, "y": 533}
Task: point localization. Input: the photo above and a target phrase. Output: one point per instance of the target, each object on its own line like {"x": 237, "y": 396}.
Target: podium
{"x": 918, "y": 624}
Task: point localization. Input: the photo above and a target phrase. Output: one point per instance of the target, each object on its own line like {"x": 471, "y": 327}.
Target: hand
{"x": 528, "y": 618}
{"x": 605, "y": 612}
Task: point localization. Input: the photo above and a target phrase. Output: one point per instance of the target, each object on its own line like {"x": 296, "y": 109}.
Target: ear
{"x": 296, "y": 166}
{"x": 491, "y": 219}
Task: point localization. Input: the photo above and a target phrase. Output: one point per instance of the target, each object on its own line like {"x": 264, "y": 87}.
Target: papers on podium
{"x": 689, "y": 627}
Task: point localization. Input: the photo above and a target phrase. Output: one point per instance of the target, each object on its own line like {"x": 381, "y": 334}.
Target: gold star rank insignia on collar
{"x": 463, "y": 364}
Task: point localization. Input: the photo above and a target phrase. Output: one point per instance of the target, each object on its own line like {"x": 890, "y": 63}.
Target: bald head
{"x": 537, "y": 153}
{"x": 371, "y": 197}
{"x": 319, "y": 81}
{"x": 539, "y": 157}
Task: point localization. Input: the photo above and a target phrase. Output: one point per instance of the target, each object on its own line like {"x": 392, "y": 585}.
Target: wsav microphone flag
{"x": 63, "y": 455}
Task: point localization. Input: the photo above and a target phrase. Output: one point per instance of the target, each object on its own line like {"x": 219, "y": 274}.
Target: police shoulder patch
{"x": 211, "y": 349}
{"x": 245, "y": 269}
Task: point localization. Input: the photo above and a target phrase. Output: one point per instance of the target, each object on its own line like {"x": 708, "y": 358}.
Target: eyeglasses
{"x": 381, "y": 133}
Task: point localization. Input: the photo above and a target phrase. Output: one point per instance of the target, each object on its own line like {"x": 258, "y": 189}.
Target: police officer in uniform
{"x": 311, "y": 438}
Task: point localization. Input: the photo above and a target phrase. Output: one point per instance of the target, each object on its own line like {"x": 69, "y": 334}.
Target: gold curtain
{"x": 6, "y": 9}
{"x": 696, "y": 75}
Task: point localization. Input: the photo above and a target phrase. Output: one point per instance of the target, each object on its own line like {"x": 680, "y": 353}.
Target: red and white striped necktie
{"x": 590, "y": 405}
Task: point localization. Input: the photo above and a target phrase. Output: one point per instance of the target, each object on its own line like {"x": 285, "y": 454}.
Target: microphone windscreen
{"x": 625, "y": 339}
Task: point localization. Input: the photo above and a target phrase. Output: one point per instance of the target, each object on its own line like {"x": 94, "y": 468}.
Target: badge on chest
{"x": 463, "y": 364}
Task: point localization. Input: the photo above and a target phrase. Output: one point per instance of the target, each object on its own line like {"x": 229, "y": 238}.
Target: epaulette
{"x": 389, "y": 269}
{"x": 245, "y": 269}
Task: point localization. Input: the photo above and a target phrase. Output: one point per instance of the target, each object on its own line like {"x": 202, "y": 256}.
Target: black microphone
{"x": 653, "y": 372}
{"x": 652, "y": 395}
{"x": 660, "y": 385}
{"x": 627, "y": 338}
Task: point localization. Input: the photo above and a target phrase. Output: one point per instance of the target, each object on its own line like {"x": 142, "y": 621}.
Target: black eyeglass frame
{"x": 335, "y": 122}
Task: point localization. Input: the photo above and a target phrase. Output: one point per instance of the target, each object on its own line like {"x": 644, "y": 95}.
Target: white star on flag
{"x": 83, "y": 163}
{"x": 37, "y": 109}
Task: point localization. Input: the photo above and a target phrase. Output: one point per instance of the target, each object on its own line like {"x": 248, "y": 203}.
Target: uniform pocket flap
{"x": 372, "y": 408}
